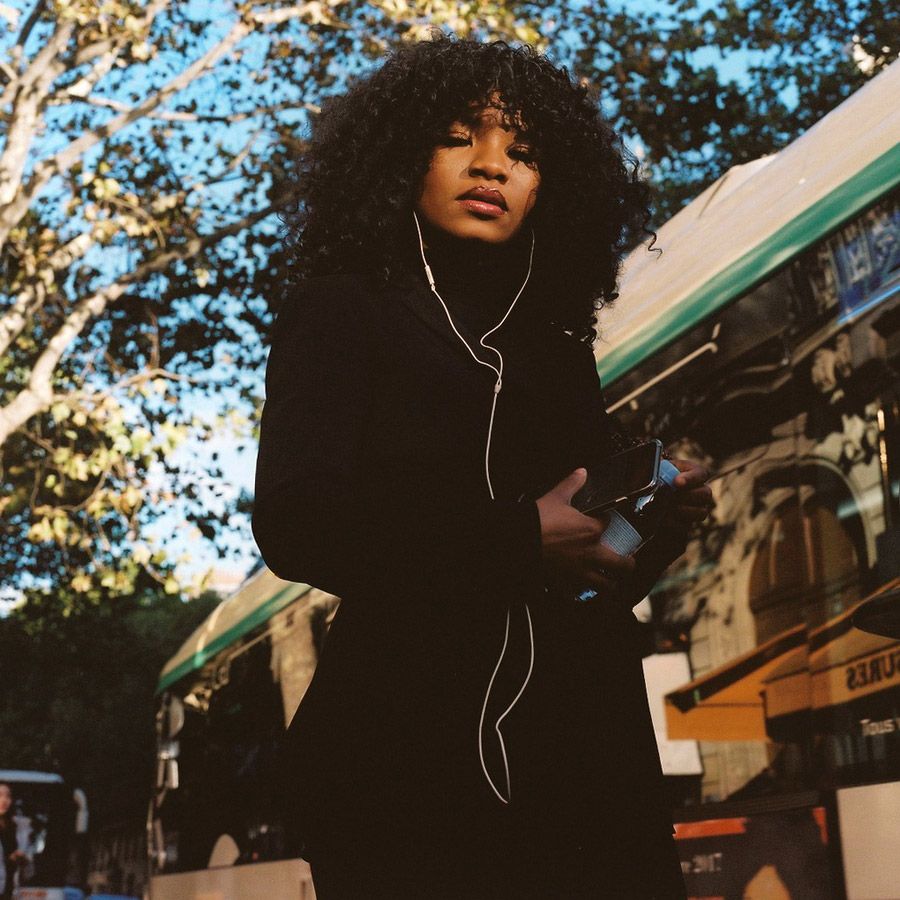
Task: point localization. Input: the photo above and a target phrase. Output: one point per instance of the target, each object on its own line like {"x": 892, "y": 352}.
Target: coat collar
{"x": 423, "y": 303}
{"x": 416, "y": 296}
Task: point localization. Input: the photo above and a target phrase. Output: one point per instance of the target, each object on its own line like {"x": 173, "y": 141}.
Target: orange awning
{"x": 846, "y": 663}
{"x": 793, "y": 672}
{"x": 787, "y": 688}
{"x": 726, "y": 704}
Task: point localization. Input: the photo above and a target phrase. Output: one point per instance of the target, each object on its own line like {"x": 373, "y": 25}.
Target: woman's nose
{"x": 490, "y": 164}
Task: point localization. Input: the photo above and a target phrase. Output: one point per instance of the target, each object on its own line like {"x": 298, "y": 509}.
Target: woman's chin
{"x": 485, "y": 230}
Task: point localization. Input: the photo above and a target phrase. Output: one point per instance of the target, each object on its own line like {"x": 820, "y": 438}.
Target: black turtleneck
{"x": 478, "y": 280}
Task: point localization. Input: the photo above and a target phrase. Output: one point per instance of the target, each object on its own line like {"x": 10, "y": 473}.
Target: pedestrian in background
{"x": 10, "y": 854}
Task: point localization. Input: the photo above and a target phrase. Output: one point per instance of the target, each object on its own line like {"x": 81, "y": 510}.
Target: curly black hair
{"x": 370, "y": 147}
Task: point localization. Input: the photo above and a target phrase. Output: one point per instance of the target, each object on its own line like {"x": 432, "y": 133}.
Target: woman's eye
{"x": 526, "y": 154}
{"x": 456, "y": 140}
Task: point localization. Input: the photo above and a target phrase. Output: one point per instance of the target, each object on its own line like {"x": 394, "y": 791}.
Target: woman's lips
{"x": 483, "y": 208}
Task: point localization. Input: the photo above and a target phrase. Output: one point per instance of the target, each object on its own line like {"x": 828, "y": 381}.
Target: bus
{"x": 51, "y": 822}
{"x": 764, "y": 341}
{"x": 225, "y": 701}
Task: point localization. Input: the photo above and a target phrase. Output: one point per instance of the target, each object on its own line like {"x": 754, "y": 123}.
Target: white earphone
{"x": 487, "y": 472}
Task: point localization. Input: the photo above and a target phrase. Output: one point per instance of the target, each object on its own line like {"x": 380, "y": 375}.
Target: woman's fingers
{"x": 692, "y": 474}
{"x": 608, "y": 578}
{"x": 690, "y": 515}
{"x": 700, "y": 496}
{"x": 693, "y": 499}
{"x": 571, "y": 541}
{"x": 602, "y": 562}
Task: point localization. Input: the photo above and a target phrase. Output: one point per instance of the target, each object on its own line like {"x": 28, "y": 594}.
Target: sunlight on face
{"x": 483, "y": 180}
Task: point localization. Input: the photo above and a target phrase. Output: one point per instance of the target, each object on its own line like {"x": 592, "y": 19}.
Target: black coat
{"x": 371, "y": 485}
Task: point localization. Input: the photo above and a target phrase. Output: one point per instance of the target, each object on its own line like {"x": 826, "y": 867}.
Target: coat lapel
{"x": 422, "y": 302}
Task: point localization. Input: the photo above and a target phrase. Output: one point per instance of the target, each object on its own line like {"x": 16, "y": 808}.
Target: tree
{"x": 146, "y": 152}
{"x": 786, "y": 64}
{"x": 143, "y": 162}
{"x": 76, "y": 691}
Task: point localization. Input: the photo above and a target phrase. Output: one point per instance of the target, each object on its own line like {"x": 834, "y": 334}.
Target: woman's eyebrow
{"x": 521, "y": 133}
{"x": 475, "y": 115}
{"x": 473, "y": 118}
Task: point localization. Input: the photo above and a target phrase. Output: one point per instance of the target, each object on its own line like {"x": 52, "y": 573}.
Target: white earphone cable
{"x": 487, "y": 472}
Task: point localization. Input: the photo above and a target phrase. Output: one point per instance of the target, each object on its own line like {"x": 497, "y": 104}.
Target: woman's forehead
{"x": 495, "y": 112}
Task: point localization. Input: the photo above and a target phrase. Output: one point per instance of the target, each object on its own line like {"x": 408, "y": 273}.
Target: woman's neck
{"x": 476, "y": 267}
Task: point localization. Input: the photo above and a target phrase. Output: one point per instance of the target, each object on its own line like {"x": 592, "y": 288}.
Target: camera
{"x": 634, "y": 491}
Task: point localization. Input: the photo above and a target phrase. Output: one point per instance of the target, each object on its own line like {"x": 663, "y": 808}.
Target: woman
{"x": 471, "y": 730}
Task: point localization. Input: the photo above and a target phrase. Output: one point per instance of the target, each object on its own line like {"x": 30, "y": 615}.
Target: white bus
{"x": 766, "y": 341}
{"x": 226, "y": 699}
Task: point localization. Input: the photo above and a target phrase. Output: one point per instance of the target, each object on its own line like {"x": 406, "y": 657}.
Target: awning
{"x": 764, "y": 693}
{"x": 726, "y": 704}
{"x": 839, "y": 664}
{"x": 846, "y": 664}
{"x": 787, "y": 690}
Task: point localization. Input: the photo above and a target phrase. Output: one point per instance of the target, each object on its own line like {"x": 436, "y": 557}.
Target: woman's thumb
{"x": 571, "y": 484}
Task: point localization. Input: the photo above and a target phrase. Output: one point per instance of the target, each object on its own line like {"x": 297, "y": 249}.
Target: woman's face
{"x": 5, "y": 799}
{"x": 482, "y": 182}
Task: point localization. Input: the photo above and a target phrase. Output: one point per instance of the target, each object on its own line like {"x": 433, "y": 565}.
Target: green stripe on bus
{"x": 818, "y": 220}
{"x": 259, "y": 615}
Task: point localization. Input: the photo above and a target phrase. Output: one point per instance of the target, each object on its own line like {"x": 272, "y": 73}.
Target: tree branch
{"x": 29, "y": 91}
{"x": 27, "y": 27}
{"x": 38, "y": 394}
{"x": 108, "y": 52}
{"x": 178, "y": 116}
{"x": 32, "y": 297}
{"x": 83, "y": 87}
{"x": 62, "y": 161}
{"x": 315, "y": 11}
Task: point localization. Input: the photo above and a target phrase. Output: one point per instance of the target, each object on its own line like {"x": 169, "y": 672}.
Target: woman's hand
{"x": 693, "y": 499}
{"x": 691, "y": 503}
{"x": 571, "y": 541}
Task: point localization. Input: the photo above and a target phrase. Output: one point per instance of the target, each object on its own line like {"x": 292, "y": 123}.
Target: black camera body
{"x": 633, "y": 519}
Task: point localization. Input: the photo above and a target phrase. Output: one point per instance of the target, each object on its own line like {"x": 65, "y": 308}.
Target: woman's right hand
{"x": 571, "y": 545}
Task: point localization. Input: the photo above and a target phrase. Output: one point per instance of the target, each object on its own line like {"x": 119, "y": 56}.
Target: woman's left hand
{"x": 692, "y": 503}
{"x": 693, "y": 500}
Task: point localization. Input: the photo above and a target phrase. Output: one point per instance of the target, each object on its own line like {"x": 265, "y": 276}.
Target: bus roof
{"x": 23, "y": 776}
{"x": 752, "y": 221}
{"x": 258, "y": 599}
